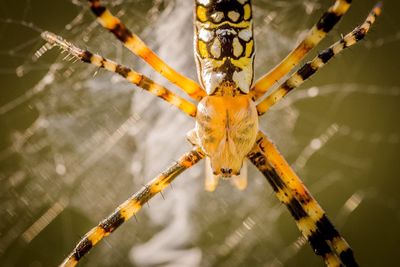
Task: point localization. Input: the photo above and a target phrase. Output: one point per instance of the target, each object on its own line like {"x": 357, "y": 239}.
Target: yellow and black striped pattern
{"x": 315, "y": 35}
{"x": 224, "y": 54}
{"x": 129, "y": 74}
{"x": 139, "y": 48}
{"x": 318, "y": 62}
{"x": 224, "y": 46}
{"x": 310, "y": 218}
{"x": 131, "y": 206}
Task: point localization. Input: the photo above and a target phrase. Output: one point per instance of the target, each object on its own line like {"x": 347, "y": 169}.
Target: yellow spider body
{"x": 226, "y": 121}
{"x": 226, "y": 131}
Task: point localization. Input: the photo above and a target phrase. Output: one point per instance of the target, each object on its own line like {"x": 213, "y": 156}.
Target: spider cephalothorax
{"x": 226, "y": 129}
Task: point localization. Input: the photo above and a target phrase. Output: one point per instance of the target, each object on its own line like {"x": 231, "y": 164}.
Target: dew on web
{"x": 76, "y": 146}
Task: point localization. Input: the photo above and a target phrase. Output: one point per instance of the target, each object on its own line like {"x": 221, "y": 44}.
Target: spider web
{"x": 74, "y": 146}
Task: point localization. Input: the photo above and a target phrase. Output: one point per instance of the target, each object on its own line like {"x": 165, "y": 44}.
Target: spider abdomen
{"x": 226, "y": 129}
{"x": 224, "y": 45}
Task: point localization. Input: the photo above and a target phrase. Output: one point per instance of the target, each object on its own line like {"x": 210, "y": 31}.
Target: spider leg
{"x": 308, "y": 69}
{"x": 139, "y": 48}
{"x": 131, "y": 206}
{"x": 314, "y": 36}
{"x": 129, "y": 74}
{"x": 310, "y": 218}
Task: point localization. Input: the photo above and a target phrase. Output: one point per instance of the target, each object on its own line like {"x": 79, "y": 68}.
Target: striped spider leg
{"x": 296, "y": 79}
{"x": 226, "y": 126}
{"x": 139, "y": 48}
{"x": 131, "y": 206}
{"x": 226, "y": 130}
{"x": 310, "y": 218}
{"x": 129, "y": 74}
{"x": 327, "y": 21}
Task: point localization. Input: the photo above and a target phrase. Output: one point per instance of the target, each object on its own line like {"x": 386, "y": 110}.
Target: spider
{"x": 226, "y": 129}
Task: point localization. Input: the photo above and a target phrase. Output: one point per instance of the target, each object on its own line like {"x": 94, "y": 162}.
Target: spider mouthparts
{"x": 226, "y": 172}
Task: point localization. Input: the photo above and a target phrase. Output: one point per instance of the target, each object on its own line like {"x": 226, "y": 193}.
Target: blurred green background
{"x": 77, "y": 141}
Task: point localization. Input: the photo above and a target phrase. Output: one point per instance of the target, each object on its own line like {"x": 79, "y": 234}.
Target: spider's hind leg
{"x": 310, "y": 218}
{"x": 131, "y": 206}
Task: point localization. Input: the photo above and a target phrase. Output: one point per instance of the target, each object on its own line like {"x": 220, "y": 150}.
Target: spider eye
{"x": 226, "y": 172}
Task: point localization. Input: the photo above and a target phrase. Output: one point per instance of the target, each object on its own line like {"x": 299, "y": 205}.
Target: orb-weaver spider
{"x": 226, "y": 131}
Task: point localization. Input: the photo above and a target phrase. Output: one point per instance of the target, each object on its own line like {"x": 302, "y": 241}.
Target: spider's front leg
{"x": 310, "y": 68}
{"x": 139, "y": 48}
{"x": 314, "y": 36}
{"x": 131, "y": 206}
{"x": 124, "y": 71}
{"x": 310, "y": 218}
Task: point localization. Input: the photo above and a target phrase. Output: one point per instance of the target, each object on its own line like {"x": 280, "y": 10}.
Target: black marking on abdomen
{"x": 226, "y": 35}
{"x": 228, "y": 69}
{"x": 225, "y": 6}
